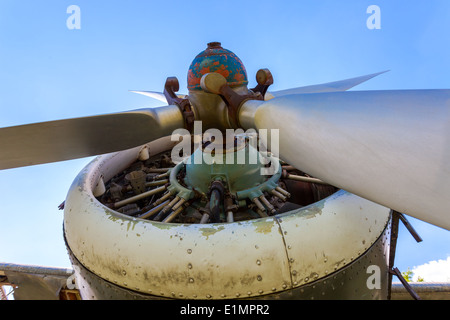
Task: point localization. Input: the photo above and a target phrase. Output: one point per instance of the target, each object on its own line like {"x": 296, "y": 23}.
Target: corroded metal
{"x": 350, "y": 282}
{"x": 171, "y": 86}
{"x": 219, "y": 60}
{"x": 217, "y": 84}
{"x": 276, "y": 254}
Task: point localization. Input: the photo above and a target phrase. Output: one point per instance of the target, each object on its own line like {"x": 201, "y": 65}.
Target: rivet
{"x": 190, "y": 266}
{"x": 249, "y": 292}
{"x": 124, "y": 272}
{"x": 260, "y": 291}
{"x": 294, "y": 272}
{"x": 274, "y": 289}
{"x": 258, "y": 262}
{"x": 259, "y": 278}
{"x": 189, "y": 251}
{"x": 191, "y": 280}
{"x": 238, "y": 294}
{"x": 208, "y": 296}
{"x": 306, "y": 279}
{"x": 284, "y": 286}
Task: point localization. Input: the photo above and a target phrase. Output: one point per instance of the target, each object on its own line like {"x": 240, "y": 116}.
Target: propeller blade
{"x": 156, "y": 95}
{"x": 59, "y": 140}
{"x": 152, "y": 94}
{"x": 390, "y": 147}
{"x": 335, "y": 86}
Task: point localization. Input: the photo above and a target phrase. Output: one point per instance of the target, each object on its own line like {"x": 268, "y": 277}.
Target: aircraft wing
{"x": 425, "y": 291}
{"x": 30, "y": 282}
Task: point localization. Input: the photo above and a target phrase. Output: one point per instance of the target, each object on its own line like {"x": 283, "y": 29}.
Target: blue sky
{"x": 48, "y": 72}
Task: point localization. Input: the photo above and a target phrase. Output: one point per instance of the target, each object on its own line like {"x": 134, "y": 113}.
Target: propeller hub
{"x": 217, "y": 59}
{"x": 217, "y": 83}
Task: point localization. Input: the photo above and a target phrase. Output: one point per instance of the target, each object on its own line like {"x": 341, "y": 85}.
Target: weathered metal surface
{"x": 214, "y": 261}
{"x": 220, "y": 60}
{"x": 217, "y": 84}
{"x": 227, "y": 165}
{"x": 35, "y": 282}
{"x": 171, "y": 86}
{"x": 349, "y": 282}
{"x": 328, "y": 235}
{"x": 354, "y": 281}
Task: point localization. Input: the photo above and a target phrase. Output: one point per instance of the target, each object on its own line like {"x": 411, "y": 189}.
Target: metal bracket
{"x": 405, "y": 283}
{"x": 264, "y": 79}
{"x": 170, "y": 87}
{"x": 216, "y": 83}
{"x": 409, "y": 227}
{"x": 396, "y": 217}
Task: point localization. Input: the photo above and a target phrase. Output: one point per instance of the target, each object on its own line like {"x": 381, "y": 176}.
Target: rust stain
{"x": 206, "y": 232}
{"x": 263, "y": 226}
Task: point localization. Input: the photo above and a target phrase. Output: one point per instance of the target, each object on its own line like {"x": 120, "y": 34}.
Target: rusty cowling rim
{"x": 216, "y": 59}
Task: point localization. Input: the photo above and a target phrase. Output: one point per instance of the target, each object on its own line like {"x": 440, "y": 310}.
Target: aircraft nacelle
{"x": 334, "y": 243}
